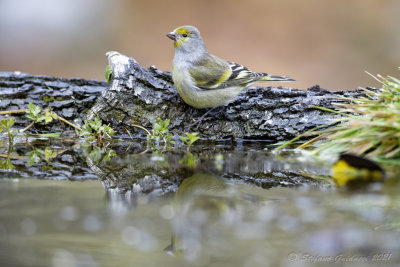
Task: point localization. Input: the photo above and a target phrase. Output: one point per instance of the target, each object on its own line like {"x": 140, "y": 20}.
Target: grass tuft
{"x": 370, "y": 125}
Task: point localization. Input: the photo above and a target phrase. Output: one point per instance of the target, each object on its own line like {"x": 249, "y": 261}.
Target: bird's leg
{"x": 199, "y": 120}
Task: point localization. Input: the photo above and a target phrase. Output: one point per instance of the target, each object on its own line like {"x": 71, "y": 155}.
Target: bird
{"x": 204, "y": 80}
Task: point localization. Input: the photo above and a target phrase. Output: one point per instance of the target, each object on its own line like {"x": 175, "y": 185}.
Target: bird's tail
{"x": 268, "y": 77}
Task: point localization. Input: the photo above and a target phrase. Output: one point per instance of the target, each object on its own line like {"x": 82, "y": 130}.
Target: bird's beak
{"x": 171, "y": 35}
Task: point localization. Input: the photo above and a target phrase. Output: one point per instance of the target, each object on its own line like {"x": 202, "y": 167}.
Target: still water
{"x": 218, "y": 205}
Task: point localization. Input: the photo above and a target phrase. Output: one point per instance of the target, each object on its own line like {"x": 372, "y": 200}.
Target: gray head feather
{"x": 188, "y": 43}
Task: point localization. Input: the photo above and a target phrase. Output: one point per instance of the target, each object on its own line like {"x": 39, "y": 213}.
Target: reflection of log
{"x": 160, "y": 174}
{"x": 68, "y": 163}
{"x": 139, "y": 96}
{"x": 131, "y": 171}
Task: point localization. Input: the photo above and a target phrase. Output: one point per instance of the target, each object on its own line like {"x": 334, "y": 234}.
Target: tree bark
{"x": 69, "y": 98}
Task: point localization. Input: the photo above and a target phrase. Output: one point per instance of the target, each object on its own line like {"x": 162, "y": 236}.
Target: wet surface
{"x": 217, "y": 205}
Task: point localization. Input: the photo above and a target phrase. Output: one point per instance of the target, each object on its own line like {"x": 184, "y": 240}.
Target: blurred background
{"x": 330, "y": 43}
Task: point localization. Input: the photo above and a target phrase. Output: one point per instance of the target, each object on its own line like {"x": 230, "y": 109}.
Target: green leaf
{"x": 165, "y": 123}
{"x": 40, "y": 118}
{"x": 96, "y": 124}
{"x": 86, "y": 129}
{"x": 48, "y": 119}
{"x": 96, "y": 154}
{"x": 34, "y": 156}
{"x": 49, "y": 153}
{"x": 34, "y": 110}
{"x": 108, "y": 73}
{"x": 109, "y": 130}
{"x": 7, "y": 123}
{"x": 157, "y": 127}
{"x": 108, "y": 155}
{"x": 50, "y": 135}
{"x": 190, "y": 138}
{"x": 31, "y": 107}
{"x": 5, "y": 164}
{"x": 49, "y": 116}
{"x": 30, "y": 116}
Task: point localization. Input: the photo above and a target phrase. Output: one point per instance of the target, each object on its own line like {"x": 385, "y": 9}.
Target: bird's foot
{"x": 199, "y": 120}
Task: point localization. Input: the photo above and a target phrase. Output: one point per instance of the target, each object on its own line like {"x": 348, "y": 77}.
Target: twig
{"x": 27, "y": 127}
{"x": 69, "y": 123}
{"x": 13, "y": 111}
{"x": 30, "y": 125}
{"x": 129, "y": 133}
{"x": 141, "y": 127}
{"x": 11, "y": 156}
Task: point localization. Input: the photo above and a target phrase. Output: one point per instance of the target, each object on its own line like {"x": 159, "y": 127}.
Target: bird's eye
{"x": 185, "y": 35}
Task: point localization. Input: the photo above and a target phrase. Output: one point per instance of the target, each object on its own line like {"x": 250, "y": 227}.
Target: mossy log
{"x": 138, "y": 96}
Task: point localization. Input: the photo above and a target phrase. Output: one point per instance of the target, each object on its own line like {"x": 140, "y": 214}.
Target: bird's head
{"x": 187, "y": 38}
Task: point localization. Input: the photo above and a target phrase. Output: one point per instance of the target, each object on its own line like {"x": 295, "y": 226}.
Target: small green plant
{"x": 108, "y": 73}
{"x": 36, "y": 114}
{"x": 6, "y": 164}
{"x": 37, "y": 155}
{"x": 190, "y": 138}
{"x": 95, "y": 130}
{"x": 34, "y": 156}
{"x": 50, "y": 153}
{"x": 5, "y": 125}
{"x": 160, "y": 132}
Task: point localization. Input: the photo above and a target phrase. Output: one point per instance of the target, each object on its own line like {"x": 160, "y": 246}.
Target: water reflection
{"x": 161, "y": 173}
{"x": 218, "y": 205}
{"x": 201, "y": 201}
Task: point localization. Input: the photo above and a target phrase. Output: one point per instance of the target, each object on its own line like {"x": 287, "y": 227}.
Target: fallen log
{"x": 138, "y": 96}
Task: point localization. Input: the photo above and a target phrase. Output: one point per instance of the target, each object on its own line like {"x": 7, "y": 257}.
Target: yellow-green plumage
{"x": 204, "y": 80}
{"x": 210, "y": 71}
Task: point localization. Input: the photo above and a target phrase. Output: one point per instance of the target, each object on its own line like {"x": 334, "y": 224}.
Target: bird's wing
{"x": 214, "y": 73}
{"x": 242, "y": 75}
